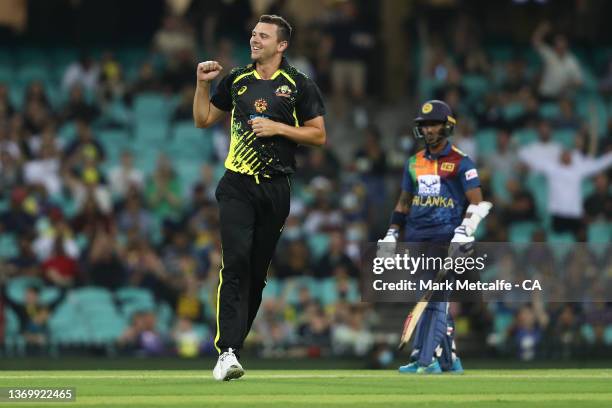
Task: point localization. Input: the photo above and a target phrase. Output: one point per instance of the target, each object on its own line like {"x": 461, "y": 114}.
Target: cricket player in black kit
{"x": 274, "y": 107}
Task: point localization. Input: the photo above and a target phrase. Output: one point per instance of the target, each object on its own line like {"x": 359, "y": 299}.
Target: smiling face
{"x": 265, "y": 43}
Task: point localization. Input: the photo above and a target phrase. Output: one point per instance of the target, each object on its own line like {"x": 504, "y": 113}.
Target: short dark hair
{"x": 283, "y": 27}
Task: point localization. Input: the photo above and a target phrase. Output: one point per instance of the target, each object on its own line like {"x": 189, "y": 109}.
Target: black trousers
{"x": 252, "y": 213}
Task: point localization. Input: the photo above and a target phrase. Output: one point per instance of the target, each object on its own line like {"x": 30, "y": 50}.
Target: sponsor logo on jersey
{"x": 471, "y": 174}
{"x": 283, "y": 91}
{"x": 447, "y": 167}
{"x": 242, "y": 90}
{"x": 261, "y": 105}
{"x": 429, "y": 185}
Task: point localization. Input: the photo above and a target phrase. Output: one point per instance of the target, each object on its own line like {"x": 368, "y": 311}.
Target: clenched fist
{"x": 208, "y": 70}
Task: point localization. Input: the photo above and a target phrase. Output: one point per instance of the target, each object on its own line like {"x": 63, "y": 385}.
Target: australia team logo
{"x": 261, "y": 105}
{"x": 283, "y": 91}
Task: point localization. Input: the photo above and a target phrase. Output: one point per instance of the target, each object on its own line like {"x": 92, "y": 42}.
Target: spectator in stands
{"x": 35, "y": 92}
{"x": 527, "y": 331}
{"x": 10, "y": 172}
{"x": 163, "y": 191}
{"x": 57, "y": 228}
{"x": 142, "y": 336}
{"x": 295, "y": 261}
{"x": 45, "y": 169}
{"x": 315, "y": 331}
{"x": 125, "y": 176}
{"x": 84, "y": 72}
{"x": 504, "y": 160}
{"x": 521, "y": 206}
{"x": 324, "y": 215}
{"x": 174, "y": 37}
{"x": 352, "y": 336}
{"x": 6, "y": 107}
{"x": 145, "y": 269}
{"x": 319, "y": 162}
{"x": 351, "y": 42}
{"x": 565, "y": 175}
{"x": 19, "y": 218}
{"x": 184, "y": 110}
{"x": 335, "y": 257}
{"x": 60, "y": 269}
{"x": 112, "y": 86}
{"x": 565, "y": 332}
{"x": 567, "y": 118}
{"x": 91, "y": 217}
{"x": 187, "y": 339}
{"x": 133, "y": 216}
{"x": 605, "y": 84}
{"x": 147, "y": 81}
{"x": 84, "y": 143}
{"x": 34, "y": 315}
{"x": 561, "y": 73}
{"x": 598, "y": 206}
{"x": 77, "y": 108}
{"x": 25, "y": 263}
{"x": 102, "y": 263}
{"x": 37, "y": 116}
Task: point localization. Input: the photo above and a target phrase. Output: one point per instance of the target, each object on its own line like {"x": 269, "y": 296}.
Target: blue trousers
{"x": 435, "y": 331}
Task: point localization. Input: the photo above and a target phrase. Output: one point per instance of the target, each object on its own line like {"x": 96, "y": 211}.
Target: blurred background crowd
{"x": 108, "y": 223}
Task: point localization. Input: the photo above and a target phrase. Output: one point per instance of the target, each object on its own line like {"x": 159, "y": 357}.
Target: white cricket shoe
{"x": 228, "y": 367}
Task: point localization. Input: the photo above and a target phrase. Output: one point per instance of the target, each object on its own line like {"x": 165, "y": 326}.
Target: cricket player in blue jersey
{"x": 440, "y": 202}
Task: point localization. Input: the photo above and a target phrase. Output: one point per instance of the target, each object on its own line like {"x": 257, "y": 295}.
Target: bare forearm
{"x": 201, "y": 104}
{"x": 306, "y": 135}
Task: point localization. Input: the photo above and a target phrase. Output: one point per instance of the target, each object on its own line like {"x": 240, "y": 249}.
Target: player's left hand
{"x": 462, "y": 245}
{"x": 264, "y": 127}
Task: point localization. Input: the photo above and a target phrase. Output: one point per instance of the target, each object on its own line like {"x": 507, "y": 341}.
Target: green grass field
{"x": 557, "y": 388}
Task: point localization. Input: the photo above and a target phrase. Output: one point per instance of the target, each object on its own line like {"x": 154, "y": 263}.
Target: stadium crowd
{"x": 89, "y": 199}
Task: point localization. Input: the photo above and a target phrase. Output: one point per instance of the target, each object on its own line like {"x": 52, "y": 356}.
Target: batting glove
{"x": 386, "y": 246}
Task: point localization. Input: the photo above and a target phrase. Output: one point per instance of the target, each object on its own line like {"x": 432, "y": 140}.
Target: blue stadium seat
{"x": 566, "y": 137}
{"x": 15, "y": 287}
{"x": 272, "y": 289}
{"x": 600, "y": 232}
{"x": 7, "y": 74}
{"x": 486, "y": 140}
{"x": 132, "y": 300}
{"x": 291, "y": 287}
{"x": 521, "y": 232}
{"x": 8, "y": 246}
{"x": 329, "y": 291}
{"x": 525, "y": 136}
{"x": 549, "y": 110}
{"x": 513, "y": 110}
{"x": 152, "y": 107}
{"x": 318, "y": 244}
{"x": 29, "y": 73}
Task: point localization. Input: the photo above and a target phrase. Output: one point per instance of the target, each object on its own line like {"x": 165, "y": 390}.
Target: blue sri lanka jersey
{"x": 438, "y": 184}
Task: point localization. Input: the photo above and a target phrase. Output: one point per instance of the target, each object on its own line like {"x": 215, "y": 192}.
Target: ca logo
{"x": 427, "y": 108}
{"x": 242, "y": 90}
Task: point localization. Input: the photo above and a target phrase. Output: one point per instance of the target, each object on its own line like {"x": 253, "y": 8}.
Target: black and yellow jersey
{"x": 288, "y": 96}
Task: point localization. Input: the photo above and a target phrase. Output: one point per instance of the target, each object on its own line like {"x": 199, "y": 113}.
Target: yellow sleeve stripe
{"x": 286, "y": 75}
{"x": 458, "y": 151}
{"x": 239, "y": 77}
{"x": 297, "y": 122}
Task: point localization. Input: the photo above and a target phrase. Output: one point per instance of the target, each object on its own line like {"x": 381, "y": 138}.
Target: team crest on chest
{"x": 261, "y": 105}
{"x": 283, "y": 91}
{"x": 447, "y": 167}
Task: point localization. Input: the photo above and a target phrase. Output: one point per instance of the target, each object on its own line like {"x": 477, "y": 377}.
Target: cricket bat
{"x": 417, "y": 311}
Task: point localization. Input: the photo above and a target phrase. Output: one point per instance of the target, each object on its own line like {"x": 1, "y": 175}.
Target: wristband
{"x": 398, "y": 218}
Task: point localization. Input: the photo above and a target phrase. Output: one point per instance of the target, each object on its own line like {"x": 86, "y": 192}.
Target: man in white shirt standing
{"x": 561, "y": 71}
{"x": 565, "y": 176}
